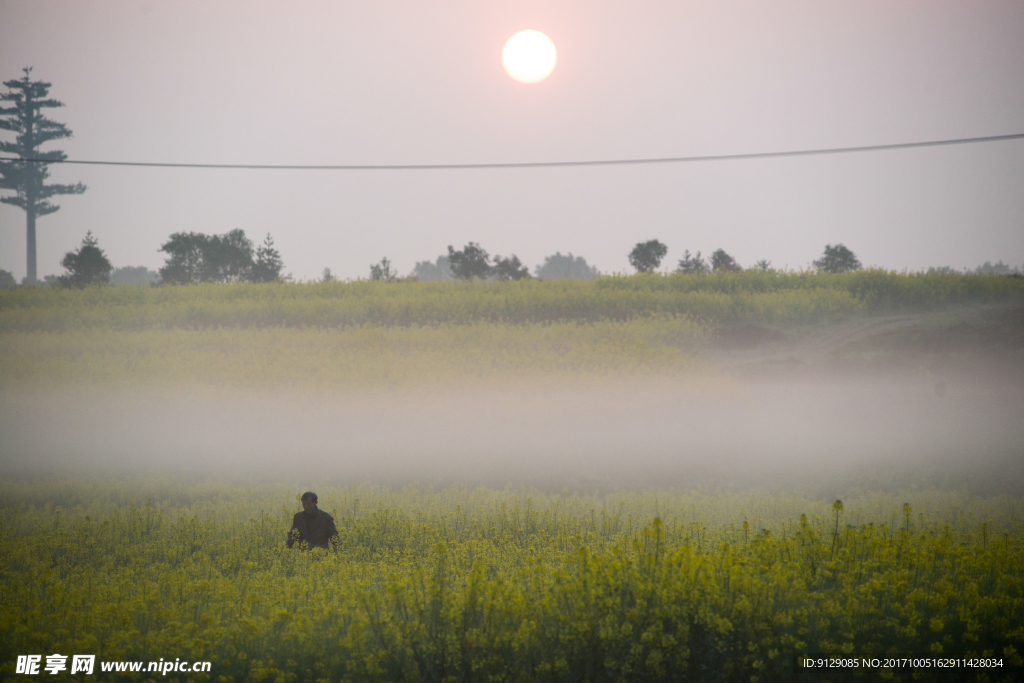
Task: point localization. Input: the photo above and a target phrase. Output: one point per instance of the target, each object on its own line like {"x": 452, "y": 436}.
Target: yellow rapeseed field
{"x": 467, "y": 584}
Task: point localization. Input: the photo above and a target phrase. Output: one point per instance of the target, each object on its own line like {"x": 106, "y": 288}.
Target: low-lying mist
{"x": 917, "y": 398}
{"x": 819, "y": 435}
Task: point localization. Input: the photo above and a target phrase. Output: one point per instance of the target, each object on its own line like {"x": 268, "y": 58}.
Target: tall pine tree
{"x": 28, "y": 178}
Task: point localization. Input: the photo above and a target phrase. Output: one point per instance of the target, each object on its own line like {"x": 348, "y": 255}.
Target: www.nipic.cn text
{"x": 85, "y": 664}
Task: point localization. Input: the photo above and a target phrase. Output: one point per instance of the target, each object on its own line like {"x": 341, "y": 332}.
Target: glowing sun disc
{"x": 529, "y": 56}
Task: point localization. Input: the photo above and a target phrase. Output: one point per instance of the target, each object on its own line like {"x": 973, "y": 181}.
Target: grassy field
{"x": 712, "y": 298}
{"x": 357, "y": 356}
{"x": 470, "y": 584}
{"x": 377, "y": 333}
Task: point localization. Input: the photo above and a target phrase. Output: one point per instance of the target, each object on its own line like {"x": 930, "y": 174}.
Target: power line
{"x": 534, "y": 164}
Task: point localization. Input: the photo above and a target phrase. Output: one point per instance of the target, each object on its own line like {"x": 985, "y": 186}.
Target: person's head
{"x": 309, "y": 501}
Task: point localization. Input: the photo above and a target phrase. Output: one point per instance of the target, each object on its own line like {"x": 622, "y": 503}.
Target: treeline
{"x": 192, "y": 258}
{"x": 647, "y": 256}
{"x": 472, "y": 262}
{"x": 196, "y": 258}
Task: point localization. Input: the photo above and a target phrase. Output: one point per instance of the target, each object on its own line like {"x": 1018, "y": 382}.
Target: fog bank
{"x": 815, "y": 435}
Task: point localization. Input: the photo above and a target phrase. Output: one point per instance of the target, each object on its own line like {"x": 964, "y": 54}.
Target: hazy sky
{"x": 415, "y": 82}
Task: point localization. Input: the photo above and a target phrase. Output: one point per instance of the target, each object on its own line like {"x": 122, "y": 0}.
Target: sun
{"x": 529, "y": 56}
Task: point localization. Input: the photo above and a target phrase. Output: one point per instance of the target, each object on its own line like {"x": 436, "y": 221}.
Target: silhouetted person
{"x": 312, "y": 526}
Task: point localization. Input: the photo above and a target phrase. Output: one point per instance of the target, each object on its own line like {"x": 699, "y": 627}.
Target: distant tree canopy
{"x": 88, "y": 265}
{"x": 268, "y": 264}
{"x": 7, "y": 280}
{"x": 194, "y": 257}
{"x": 509, "y": 268}
{"x": 383, "y": 270}
{"x": 646, "y": 256}
{"x": 470, "y": 262}
{"x": 692, "y": 264}
{"x": 998, "y": 268}
{"x": 764, "y": 265}
{"x": 837, "y": 259}
{"x": 134, "y": 275}
{"x": 425, "y": 270}
{"x": 568, "y": 266}
{"x": 722, "y": 261}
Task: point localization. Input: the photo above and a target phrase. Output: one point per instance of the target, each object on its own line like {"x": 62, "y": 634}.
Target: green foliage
{"x": 194, "y": 258}
{"x": 472, "y": 584}
{"x": 567, "y": 266}
{"x": 999, "y": 268}
{"x": 692, "y": 264}
{"x": 506, "y": 269}
{"x": 646, "y": 256}
{"x": 383, "y": 271}
{"x": 268, "y": 265}
{"x": 86, "y": 266}
{"x": 133, "y": 275}
{"x": 7, "y": 280}
{"x": 470, "y": 263}
{"x": 425, "y": 270}
{"x": 837, "y": 259}
{"x": 722, "y": 261}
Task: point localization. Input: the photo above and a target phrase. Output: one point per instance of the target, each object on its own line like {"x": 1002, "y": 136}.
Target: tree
{"x": 646, "y": 256}
{"x": 722, "y": 261}
{"x": 837, "y": 259}
{"x": 557, "y": 265}
{"x": 469, "y": 263}
{"x": 383, "y": 271}
{"x": 228, "y": 257}
{"x": 28, "y": 178}
{"x": 87, "y": 266}
{"x": 194, "y": 257}
{"x": 764, "y": 265}
{"x": 425, "y": 270}
{"x": 7, "y": 280}
{"x": 999, "y": 268}
{"x": 268, "y": 265}
{"x": 133, "y": 275}
{"x": 184, "y": 262}
{"x": 692, "y": 264}
{"x": 510, "y": 268}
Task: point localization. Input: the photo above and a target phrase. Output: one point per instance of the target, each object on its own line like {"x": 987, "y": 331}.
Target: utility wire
{"x": 535, "y": 164}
